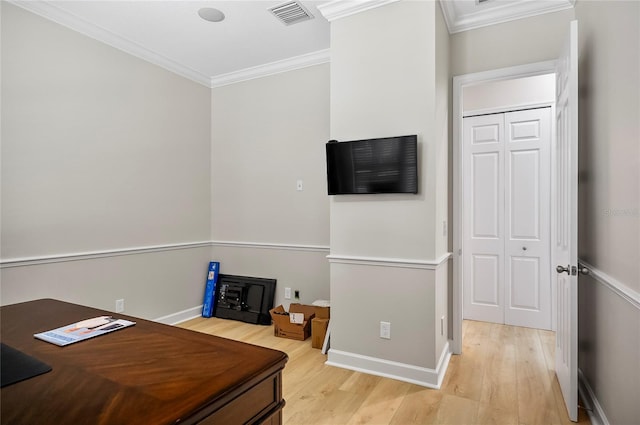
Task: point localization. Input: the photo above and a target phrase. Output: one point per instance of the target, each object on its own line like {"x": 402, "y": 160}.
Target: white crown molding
{"x": 390, "y": 262}
{"x": 64, "y": 18}
{"x": 342, "y": 8}
{"x": 486, "y": 14}
{"x": 69, "y": 20}
{"x": 290, "y": 64}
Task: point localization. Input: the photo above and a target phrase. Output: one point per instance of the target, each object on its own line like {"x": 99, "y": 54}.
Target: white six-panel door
{"x": 506, "y": 254}
{"x": 565, "y": 228}
{"x": 483, "y": 218}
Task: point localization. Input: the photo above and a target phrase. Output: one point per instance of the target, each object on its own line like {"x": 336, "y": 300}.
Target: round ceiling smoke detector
{"x": 211, "y": 14}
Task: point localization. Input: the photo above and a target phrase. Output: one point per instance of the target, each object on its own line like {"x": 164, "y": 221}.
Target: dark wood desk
{"x": 149, "y": 373}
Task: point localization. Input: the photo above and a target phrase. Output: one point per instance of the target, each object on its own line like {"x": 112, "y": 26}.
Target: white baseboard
{"x": 181, "y": 316}
{"x": 593, "y": 407}
{"x": 431, "y": 378}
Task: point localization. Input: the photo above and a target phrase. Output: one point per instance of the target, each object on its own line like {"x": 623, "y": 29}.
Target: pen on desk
{"x": 91, "y": 323}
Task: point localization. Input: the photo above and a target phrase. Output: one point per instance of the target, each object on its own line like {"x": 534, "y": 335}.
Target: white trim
{"x": 518, "y": 71}
{"x": 180, "y": 316}
{"x": 89, "y": 255}
{"x": 285, "y": 65}
{"x": 423, "y": 376}
{"x": 390, "y": 262}
{"x": 510, "y": 108}
{"x": 486, "y": 15}
{"x": 459, "y": 82}
{"x": 592, "y": 405}
{"x": 268, "y": 245}
{"x": 613, "y": 284}
{"x": 338, "y": 9}
{"x": 53, "y": 13}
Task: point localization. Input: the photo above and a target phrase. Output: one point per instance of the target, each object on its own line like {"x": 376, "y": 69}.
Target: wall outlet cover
{"x": 385, "y": 330}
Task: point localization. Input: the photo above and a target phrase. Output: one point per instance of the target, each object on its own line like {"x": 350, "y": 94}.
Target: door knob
{"x": 561, "y": 269}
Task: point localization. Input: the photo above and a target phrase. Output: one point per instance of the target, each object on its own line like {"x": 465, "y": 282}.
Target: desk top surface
{"x": 148, "y": 373}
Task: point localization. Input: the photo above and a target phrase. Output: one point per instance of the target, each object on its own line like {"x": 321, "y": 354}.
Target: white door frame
{"x": 459, "y": 82}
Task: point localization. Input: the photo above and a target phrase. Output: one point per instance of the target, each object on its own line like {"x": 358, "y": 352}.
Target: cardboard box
{"x": 283, "y": 327}
{"x": 318, "y": 331}
{"x": 322, "y": 309}
{"x": 323, "y": 312}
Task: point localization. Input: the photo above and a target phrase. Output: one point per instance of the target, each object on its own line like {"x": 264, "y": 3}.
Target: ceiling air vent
{"x": 291, "y": 12}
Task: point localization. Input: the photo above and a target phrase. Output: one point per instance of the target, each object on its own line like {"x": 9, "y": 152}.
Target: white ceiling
{"x": 250, "y": 41}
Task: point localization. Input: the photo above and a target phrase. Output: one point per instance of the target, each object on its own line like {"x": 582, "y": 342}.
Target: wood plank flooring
{"x": 504, "y": 376}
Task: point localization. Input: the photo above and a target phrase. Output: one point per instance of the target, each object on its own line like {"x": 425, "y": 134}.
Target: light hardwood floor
{"x": 504, "y": 376}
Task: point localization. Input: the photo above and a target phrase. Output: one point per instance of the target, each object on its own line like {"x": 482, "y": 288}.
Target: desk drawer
{"x": 251, "y": 407}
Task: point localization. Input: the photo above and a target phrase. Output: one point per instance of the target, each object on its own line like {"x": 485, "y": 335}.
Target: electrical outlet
{"x": 385, "y": 330}
{"x": 296, "y": 294}
{"x": 119, "y": 306}
{"x": 287, "y": 293}
{"x": 299, "y": 185}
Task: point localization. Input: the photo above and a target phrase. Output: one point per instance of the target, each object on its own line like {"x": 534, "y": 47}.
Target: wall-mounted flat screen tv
{"x": 385, "y": 165}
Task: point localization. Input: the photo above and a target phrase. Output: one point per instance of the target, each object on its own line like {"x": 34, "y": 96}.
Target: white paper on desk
{"x": 296, "y": 317}
{"x": 83, "y": 330}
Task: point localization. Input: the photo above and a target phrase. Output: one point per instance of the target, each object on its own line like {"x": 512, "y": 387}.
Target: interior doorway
{"x": 506, "y": 253}
{"x": 501, "y": 95}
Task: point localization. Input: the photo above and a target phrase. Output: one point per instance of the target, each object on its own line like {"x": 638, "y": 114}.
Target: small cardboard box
{"x": 283, "y": 327}
{"x": 323, "y": 312}
{"x": 322, "y": 309}
{"x": 318, "y": 331}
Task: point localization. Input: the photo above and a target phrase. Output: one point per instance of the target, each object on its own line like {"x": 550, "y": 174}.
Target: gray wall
{"x": 443, "y": 154}
{"x": 100, "y": 151}
{"x": 609, "y": 203}
{"x": 609, "y": 185}
{"x": 517, "y": 92}
{"x": 103, "y": 152}
{"x": 385, "y": 82}
{"x": 512, "y": 43}
{"x": 267, "y": 134}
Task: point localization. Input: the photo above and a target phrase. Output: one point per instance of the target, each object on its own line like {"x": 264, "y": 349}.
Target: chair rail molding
{"x": 89, "y": 255}
{"x": 271, "y": 245}
{"x": 390, "y": 262}
{"x": 619, "y": 288}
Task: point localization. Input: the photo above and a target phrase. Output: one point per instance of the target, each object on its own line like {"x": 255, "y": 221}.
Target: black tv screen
{"x": 385, "y": 165}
